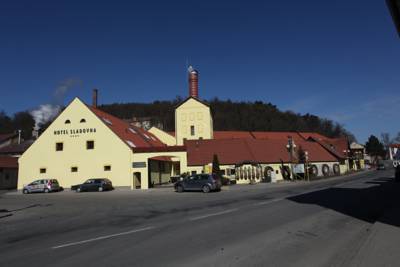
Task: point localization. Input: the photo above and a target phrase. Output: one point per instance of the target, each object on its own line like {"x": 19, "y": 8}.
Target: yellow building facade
{"x": 193, "y": 121}
{"x": 80, "y": 145}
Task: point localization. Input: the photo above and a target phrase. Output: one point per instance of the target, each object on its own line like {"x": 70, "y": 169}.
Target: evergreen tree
{"x": 375, "y": 148}
{"x": 215, "y": 167}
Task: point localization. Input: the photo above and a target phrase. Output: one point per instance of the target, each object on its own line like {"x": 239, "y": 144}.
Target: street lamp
{"x": 346, "y": 152}
{"x": 306, "y": 167}
{"x": 290, "y": 147}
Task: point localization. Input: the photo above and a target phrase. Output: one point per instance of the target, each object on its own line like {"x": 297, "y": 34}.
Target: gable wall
{"x": 108, "y": 150}
{"x": 193, "y": 113}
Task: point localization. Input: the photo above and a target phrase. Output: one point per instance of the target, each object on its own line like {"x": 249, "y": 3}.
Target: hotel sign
{"x": 75, "y": 132}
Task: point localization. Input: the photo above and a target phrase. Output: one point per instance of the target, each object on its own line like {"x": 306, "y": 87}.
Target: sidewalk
{"x": 382, "y": 248}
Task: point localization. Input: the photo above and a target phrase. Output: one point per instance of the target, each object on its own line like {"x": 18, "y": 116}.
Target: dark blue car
{"x": 198, "y": 182}
{"x": 94, "y": 185}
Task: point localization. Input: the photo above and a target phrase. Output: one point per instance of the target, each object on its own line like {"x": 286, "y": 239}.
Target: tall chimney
{"x": 94, "y": 99}
{"x": 193, "y": 82}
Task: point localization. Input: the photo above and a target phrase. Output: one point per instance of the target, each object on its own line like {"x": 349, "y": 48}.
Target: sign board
{"x": 298, "y": 168}
{"x": 139, "y": 164}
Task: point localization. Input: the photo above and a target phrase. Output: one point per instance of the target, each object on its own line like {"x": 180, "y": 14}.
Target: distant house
{"x": 394, "y": 152}
{"x": 8, "y": 139}
{"x": 8, "y": 172}
{"x": 10, "y": 151}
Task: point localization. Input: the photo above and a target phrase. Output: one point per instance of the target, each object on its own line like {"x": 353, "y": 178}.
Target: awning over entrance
{"x": 162, "y": 158}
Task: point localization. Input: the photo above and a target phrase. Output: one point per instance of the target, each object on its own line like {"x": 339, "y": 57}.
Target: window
{"x": 1, "y": 170}
{"x": 42, "y": 170}
{"x": 145, "y": 135}
{"x": 67, "y": 122}
{"x": 59, "y": 146}
{"x": 83, "y": 120}
{"x": 130, "y": 143}
{"x": 132, "y": 130}
{"x": 74, "y": 169}
{"x": 107, "y": 121}
{"x": 107, "y": 168}
{"x": 194, "y": 172}
{"x": 192, "y": 133}
{"x": 89, "y": 145}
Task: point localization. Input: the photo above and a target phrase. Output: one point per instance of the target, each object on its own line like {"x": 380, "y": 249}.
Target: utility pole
{"x": 306, "y": 167}
{"x": 290, "y": 147}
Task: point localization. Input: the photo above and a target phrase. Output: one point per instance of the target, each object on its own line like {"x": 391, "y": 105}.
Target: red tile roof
{"x": 16, "y": 148}
{"x": 134, "y": 136}
{"x": 8, "y": 162}
{"x": 232, "y": 134}
{"x": 162, "y": 158}
{"x": 234, "y": 151}
{"x": 5, "y": 137}
{"x": 395, "y": 145}
{"x": 278, "y": 136}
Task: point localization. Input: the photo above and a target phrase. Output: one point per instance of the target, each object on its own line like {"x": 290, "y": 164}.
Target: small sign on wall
{"x": 141, "y": 164}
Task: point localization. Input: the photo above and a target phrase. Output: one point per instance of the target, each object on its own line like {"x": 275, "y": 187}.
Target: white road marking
{"x": 268, "y": 202}
{"x": 212, "y": 214}
{"x": 103, "y": 237}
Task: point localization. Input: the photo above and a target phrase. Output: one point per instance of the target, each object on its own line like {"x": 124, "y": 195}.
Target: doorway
{"x": 137, "y": 179}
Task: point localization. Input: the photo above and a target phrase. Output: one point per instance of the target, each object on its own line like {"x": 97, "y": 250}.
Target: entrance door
{"x": 137, "y": 179}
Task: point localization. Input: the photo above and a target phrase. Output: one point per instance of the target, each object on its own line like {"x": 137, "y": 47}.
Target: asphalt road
{"x": 345, "y": 221}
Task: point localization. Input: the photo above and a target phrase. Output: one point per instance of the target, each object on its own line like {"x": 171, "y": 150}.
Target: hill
{"x": 229, "y": 115}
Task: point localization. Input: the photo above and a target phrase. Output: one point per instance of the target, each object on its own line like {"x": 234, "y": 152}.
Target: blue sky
{"x": 336, "y": 59}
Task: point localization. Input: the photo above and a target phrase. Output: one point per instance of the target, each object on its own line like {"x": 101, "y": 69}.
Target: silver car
{"x": 43, "y": 185}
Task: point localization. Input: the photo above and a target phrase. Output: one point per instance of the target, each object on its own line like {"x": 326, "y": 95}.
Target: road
{"x": 343, "y": 221}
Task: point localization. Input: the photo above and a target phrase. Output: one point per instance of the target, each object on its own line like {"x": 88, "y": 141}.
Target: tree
{"x": 385, "y": 138}
{"x": 215, "y": 167}
{"x": 23, "y": 121}
{"x": 6, "y": 126}
{"x": 375, "y": 148}
{"x": 397, "y": 138}
{"x": 301, "y": 155}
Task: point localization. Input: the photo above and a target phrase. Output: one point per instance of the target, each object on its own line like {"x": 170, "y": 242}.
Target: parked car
{"x": 42, "y": 185}
{"x": 97, "y": 184}
{"x": 397, "y": 173}
{"x": 380, "y": 166}
{"x": 198, "y": 182}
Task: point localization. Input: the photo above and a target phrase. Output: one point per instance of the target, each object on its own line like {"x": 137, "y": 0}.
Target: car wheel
{"x": 78, "y": 190}
{"x": 179, "y": 189}
{"x": 25, "y": 191}
{"x": 100, "y": 189}
{"x": 46, "y": 190}
{"x": 206, "y": 189}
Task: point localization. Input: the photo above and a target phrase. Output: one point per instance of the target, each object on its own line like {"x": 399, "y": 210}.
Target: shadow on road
{"x": 376, "y": 200}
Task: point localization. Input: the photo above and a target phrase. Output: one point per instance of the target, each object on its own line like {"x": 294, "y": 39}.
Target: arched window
{"x": 83, "y": 120}
{"x": 67, "y": 122}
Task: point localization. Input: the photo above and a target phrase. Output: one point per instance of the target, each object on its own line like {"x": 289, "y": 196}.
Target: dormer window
{"x": 107, "y": 121}
{"x": 132, "y": 131}
{"x": 83, "y": 121}
{"x": 130, "y": 143}
{"x": 67, "y": 122}
{"x": 145, "y": 135}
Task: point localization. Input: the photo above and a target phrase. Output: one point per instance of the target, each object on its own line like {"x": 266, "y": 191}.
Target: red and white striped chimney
{"x": 193, "y": 82}
{"x": 94, "y": 98}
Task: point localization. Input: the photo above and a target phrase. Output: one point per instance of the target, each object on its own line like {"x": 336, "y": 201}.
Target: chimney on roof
{"x": 94, "y": 98}
{"x": 193, "y": 82}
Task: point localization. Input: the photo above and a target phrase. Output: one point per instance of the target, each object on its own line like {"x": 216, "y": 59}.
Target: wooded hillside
{"x": 238, "y": 116}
